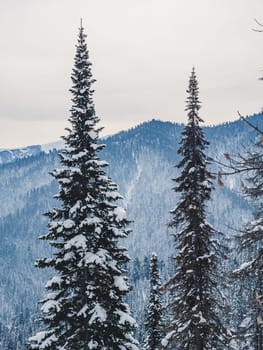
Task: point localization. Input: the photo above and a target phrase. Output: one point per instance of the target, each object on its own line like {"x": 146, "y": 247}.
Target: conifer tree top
{"x": 192, "y": 103}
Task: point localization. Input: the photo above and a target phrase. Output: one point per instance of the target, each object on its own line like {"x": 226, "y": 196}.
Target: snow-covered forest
{"x": 172, "y": 262}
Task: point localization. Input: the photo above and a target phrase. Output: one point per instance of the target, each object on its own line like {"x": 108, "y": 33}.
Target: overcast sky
{"x": 142, "y": 53}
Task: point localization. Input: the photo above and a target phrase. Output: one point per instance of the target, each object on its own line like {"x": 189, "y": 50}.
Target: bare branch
{"x": 259, "y": 24}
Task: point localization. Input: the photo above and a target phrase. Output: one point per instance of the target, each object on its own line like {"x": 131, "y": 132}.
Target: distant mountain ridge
{"x": 11, "y": 155}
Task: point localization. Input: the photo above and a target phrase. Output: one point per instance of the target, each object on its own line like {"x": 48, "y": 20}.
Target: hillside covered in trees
{"x": 142, "y": 163}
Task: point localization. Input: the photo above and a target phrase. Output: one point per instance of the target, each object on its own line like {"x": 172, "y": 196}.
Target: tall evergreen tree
{"x": 153, "y": 323}
{"x": 195, "y": 324}
{"x": 84, "y": 306}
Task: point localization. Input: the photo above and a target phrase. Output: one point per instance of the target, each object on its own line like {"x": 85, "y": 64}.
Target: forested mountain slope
{"x": 142, "y": 164}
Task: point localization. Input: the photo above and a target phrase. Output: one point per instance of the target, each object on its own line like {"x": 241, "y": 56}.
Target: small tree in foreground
{"x": 153, "y": 323}
{"x": 195, "y": 324}
{"x": 251, "y": 239}
{"x": 84, "y": 306}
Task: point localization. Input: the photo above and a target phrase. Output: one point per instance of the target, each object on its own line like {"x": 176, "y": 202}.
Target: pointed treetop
{"x": 192, "y": 102}
{"x": 81, "y": 31}
{"x": 193, "y": 74}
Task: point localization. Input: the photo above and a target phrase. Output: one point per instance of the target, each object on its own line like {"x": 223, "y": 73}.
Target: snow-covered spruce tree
{"x": 153, "y": 322}
{"x": 195, "y": 324}
{"x": 84, "y": 306}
